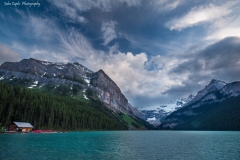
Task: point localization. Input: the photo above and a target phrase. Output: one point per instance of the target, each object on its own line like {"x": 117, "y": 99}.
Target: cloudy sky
{"x": 155, "y": 50}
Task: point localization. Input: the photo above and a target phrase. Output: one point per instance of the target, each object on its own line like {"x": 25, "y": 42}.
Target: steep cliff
{"x": 108, "y": 91}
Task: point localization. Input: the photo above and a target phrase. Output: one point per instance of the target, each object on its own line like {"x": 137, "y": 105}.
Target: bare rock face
{"x": 137, "y": 113}
{"x": 109, "y": 92}
{"x": 44, "y": 73}
{"x": 232, "y": 89}
{"x": 214, "y": 85}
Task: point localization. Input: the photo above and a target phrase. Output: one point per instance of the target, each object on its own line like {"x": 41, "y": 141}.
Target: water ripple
{"x": 122, "y": 145}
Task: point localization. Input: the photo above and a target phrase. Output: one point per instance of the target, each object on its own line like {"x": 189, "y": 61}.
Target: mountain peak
{"x": 33, "y": 59}
{"x": 101, "y": 71}
{"x": 216, "y": 83}
{"x": 213, "y": 80}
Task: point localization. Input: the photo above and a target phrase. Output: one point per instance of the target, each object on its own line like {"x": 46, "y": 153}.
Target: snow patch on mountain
{"x": 43, "y": 74}
{"x": 175, "y": 105}
{"x": 84, "y": 95}
{"x": 154, "y": 121}
{"x": 35, "y": 83}
{"x": 61, "y": 67}
{"x": 47, "y": 63}
{"x": 156, "y": 115}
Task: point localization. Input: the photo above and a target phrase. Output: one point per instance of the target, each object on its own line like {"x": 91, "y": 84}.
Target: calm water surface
{"x": 122, "y": 145}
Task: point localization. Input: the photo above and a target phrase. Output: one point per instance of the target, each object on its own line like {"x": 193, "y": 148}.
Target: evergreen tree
{"x": 47, "y": 111}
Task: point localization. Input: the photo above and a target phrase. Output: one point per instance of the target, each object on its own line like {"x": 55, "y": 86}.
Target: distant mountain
{"x": 157, "y": 116}
{"x": 68, "y": 78}
{"x": 175, "y": 104}
{"x": 214, "y": 97}
{"x": 208, "y": 92}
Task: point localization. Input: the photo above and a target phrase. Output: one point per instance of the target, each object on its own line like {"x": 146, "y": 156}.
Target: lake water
{"x": 122, "y": 145}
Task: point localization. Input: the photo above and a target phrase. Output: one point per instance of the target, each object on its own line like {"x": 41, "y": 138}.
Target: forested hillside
{"x": 220, "y": 116}
{"x": 48, "y": 111}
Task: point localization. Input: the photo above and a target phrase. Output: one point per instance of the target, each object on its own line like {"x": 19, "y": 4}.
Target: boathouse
{"x": 19, "y": 127}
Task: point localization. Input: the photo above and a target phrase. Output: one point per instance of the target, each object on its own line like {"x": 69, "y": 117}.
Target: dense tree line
{"x": 219, "y": 116}
{"x": 48, "y": 111}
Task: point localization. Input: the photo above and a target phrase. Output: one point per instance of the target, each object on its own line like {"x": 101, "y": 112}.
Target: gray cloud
{"x": 146, "y": 101}
{"x": 192, "y": 85}
{"x": 7, "y": 55}
{"x": 220, "y": 60}
{"x": 191, "y": 65}
{"x": 221, "y": 55}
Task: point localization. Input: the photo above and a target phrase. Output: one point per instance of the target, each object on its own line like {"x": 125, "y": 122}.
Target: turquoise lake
{"x": 122, "y": 145}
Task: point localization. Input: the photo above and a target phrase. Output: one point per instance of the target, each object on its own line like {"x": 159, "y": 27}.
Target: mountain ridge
{"x": 41, "y": 73}
{"x": 214, "y": 85}
{"x": 214, "y": 94}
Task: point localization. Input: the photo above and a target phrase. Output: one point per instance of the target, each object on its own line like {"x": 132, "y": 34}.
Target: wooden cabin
{"x": 19, "y": 127}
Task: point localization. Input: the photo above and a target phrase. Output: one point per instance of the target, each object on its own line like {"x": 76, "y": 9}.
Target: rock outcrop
{"x": 109, "y": 92}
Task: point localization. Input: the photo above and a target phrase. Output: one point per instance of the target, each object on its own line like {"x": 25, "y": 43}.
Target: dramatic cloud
{"x": 129, "y": 70}
{"x": 7, "y": 55}
{"x": 109, "y": 33}
{"x": 199, "y": 15}
{"x": 72, "y": 8}
{"x": 227, "y": 26}
{"x": 155, "y": 51}
{"x": 221, "y": 55}
{"x": 220, "y": 60}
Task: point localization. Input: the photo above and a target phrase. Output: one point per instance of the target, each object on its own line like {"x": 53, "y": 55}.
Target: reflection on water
{"x": 122, "y": 145}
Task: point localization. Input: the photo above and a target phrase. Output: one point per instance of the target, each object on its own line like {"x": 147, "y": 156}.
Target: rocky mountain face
{"x": 108, "y": 91}
{"x": 208, "y": 93}
{"x": 215, "y": 92}
{"x": 137, "y": 113}
{"x": 37, "y": 74}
